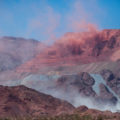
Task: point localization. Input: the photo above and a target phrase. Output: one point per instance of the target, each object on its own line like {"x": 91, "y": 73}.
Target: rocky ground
{"x": 21, "y": 102}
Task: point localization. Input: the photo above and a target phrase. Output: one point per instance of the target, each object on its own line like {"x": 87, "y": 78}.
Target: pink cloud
{"x": 79, "y": 19}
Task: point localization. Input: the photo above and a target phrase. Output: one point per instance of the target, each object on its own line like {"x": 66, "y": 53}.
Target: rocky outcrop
{"x": 111, "y": 43}
{"x": 96, "y": 114}
{"x": 82, "y": 83}
{"x": 81, "y": 109}
{"x": 107, "y": 75}
{"x": 112, "y": 80}
{"x": 72, "y": 87}
{"x": 87, "y": 79}
{"x": 106, "y": 95}
{"x": 97, "y": 49}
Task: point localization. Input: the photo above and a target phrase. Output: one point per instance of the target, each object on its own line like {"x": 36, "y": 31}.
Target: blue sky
{"x": 48, "y": 19}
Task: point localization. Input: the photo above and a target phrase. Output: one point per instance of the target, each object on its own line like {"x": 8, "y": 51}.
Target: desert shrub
{"x": 100, "y": 117}
{"x": 66, "y": 117}
{"x": 87, "y": 117}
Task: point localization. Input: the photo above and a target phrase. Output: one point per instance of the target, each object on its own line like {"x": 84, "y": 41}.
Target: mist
{"x": 49, "y": 84}
{"x": 61, "y": 38}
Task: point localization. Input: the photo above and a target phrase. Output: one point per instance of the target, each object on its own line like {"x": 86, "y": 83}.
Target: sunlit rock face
{"x": 70, "y": 49}
{"x": 77, "y": 49}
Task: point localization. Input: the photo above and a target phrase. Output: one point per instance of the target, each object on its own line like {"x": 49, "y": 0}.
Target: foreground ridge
{"x": 25, "y": 103}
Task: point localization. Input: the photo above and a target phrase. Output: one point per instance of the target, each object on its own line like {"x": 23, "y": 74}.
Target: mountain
{"x": 20, "y": 102}
{"x": 82, "y": 68}
{"x": 78, "y": 89}
{"x": 16, "y": 51}
{"x": 77, "y": 49}
{"x": 23, "y": 101}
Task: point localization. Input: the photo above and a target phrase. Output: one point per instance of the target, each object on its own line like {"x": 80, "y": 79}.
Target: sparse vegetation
{"x": 67, "y": 117}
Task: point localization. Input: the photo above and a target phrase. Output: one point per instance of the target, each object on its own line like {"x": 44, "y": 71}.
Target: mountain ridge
{"x": 22, "y": 103}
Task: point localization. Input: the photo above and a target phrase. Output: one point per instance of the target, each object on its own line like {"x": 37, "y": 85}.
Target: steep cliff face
{"x": 77, "y": 49}
{"x": 71, "y": 49}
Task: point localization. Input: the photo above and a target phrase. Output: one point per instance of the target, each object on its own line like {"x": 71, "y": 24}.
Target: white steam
{"x": 47, "y": 84}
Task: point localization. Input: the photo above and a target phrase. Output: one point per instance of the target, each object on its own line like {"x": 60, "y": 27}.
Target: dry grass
{"x": 66, "y": 117}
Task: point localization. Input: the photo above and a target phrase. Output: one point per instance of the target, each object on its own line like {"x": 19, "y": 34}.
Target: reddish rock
{"x": 76, "y": 48}
{"x": 81, "y": 109}
{"x": 23, "y": 101}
